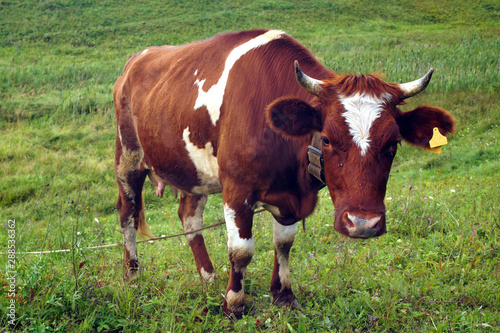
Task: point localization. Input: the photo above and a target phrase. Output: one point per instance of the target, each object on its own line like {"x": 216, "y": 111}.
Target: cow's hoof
{"x": 234, "y": 313}
{"x": 286, "y": 299}
{"x": 130, "y": 278}
{"x": 130, "y": 272}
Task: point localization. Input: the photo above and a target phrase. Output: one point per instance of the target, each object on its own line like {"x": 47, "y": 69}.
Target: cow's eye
{"x": 326, "y": 142}
{"x": 391, "y": 150}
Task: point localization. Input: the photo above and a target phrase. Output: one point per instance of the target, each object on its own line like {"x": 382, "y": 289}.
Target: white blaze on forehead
{"x": 361, "y": 112}
{"x": 204, "y": 161}
{"x": 213, "y": 98}
{"x": 234, "y": 241}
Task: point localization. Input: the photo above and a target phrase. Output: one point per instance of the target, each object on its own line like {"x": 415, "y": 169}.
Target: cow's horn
{"x": 308, "y": 83}
{"x": 412, "y": 88}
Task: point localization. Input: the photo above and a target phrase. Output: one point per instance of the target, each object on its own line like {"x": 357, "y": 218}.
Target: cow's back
{"x": 200, "y": 107}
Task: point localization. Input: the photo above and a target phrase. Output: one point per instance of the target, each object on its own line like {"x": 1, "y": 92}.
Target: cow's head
{"x": 361, "y": 128}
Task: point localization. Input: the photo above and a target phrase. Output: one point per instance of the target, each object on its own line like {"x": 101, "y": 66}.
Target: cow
{"x": 247, "y": 114}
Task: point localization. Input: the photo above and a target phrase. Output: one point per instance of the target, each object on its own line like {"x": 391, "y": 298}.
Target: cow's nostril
{"x": 363, "y": 226}
{"x": 350, "y": 221}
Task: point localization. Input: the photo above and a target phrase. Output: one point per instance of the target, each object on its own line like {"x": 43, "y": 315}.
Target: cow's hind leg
{"x": 130, "y": 175}
{"x": 281, "y": 288}
{"x": 191, "y": 214}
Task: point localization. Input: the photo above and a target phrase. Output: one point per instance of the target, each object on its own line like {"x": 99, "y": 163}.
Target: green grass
{"x": 435, "y": 271}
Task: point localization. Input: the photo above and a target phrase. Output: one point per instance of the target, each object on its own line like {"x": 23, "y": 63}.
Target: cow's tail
{"x": 143, "y": 228}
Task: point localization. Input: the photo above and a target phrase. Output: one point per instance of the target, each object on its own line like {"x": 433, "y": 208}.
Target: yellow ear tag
{"x": 436, "y": 150}
{"x": 438, "y": 140}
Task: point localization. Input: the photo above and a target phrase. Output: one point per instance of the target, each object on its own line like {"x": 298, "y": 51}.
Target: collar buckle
{"x": 315, "y": 157}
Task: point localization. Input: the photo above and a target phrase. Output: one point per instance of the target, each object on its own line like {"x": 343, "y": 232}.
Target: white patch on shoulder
{"x": 361, "y": 111}
{"x": 234, "y": 241}
{"x": 213, "y": 98}
{"x": 206, "y": 165}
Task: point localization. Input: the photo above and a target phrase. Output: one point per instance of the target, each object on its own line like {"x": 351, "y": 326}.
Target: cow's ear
{"x": 293, "y": 117}
{"x": 416, "y": 126}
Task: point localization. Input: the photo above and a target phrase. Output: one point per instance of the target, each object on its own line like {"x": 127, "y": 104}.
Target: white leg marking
{"x": 129, "y": 238}
{"x": 236, "y": 298}
{"x": 283, "y": 235}
{"x": 206, "y": 165}
{"x": 361, "y": 111}
{"x": 213, "y": 98}
{"x": 208, "y": 277}
{"x": 234, "y": 241}
{"x": 196, "y": 221}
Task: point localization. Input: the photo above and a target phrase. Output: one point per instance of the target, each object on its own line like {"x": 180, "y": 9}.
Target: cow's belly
{"x": 206, "y": 165}
{"x": 184, "y": 178}
{"x": 184, "y": 165}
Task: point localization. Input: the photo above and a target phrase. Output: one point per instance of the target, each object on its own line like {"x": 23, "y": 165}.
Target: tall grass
{"x": 50, "y": 49}
{"x": 433, "y": 270}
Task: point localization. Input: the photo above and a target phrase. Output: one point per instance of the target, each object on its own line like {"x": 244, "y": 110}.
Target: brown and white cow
{"x": 227, "y": 115}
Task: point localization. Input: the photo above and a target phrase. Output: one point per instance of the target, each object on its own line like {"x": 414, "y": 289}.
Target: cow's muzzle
{"x": 363, "y": 224}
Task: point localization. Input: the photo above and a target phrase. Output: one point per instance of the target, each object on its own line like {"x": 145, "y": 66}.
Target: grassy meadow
{"x": 436, "y": 270}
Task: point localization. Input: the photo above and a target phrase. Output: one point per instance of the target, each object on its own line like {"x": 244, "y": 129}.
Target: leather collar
{"x": 315, "y": 157}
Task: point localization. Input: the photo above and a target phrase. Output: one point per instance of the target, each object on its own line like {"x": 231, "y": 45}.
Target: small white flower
{"x": 388, "y": 198}
{"x": 78, "y": 233}
{"x": 453, "y": 191}
{"x": 162, "y": 235}
{"x": 431, "y": 198}
{"x": 96, "y": 219}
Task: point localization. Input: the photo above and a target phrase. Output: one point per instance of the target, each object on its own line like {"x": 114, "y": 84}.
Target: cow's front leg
{"x": 281, "y": 287}
{"x": 241, "y": 247}
{"x": 191, "y": 214}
